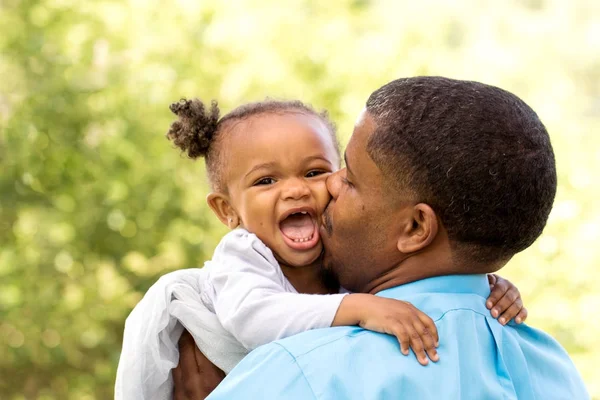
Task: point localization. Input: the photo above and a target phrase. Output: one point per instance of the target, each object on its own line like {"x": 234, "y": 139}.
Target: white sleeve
{"x": 254, "y": 301}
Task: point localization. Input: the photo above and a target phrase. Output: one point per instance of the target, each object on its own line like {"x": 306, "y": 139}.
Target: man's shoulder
{"x": 314, "y": 339}
{"x": 353, "y": 363}
{"x": 310, "y": 346}
{"x": 321, "y": 343}
{"x": 517, "y": 353}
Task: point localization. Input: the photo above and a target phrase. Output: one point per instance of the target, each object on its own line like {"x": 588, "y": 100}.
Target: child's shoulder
{"x": 240, "y": 239}
{"x": 243, "y": 251}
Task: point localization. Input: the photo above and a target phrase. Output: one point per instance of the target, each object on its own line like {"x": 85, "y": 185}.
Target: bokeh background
{"x": 95, "y": 203}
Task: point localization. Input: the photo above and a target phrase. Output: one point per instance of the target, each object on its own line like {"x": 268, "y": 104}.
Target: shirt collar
{"x": 476, "y": 284}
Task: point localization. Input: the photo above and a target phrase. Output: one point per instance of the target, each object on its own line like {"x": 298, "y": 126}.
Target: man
{"x": 444, "y": 182}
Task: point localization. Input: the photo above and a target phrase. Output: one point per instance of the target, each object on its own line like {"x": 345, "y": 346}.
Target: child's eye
{"x": 314, "y": 173}
{"x": 264, "y": 181}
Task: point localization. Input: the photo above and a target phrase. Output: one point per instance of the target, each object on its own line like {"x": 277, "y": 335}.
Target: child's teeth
{"x": 303, "y": 239}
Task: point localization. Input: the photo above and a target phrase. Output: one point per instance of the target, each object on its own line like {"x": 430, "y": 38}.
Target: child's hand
{"x": 412, "y": 327}
{"x": 505, "y": 301}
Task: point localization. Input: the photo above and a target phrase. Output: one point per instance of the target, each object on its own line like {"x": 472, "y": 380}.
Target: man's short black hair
{"x": 477, "y": 154}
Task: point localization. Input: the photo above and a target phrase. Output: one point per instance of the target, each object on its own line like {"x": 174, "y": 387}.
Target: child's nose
{"x": 334, "y": 183}
{"x": 296, "y": 189}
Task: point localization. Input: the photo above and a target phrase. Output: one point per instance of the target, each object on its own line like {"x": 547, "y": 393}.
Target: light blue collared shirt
{"x": 479, "y": 358}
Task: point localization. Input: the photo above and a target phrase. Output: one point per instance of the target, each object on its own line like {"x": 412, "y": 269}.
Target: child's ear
{"x": 219, "y": 203}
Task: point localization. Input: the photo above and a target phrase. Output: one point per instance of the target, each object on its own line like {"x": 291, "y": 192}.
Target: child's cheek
{"x": 322, "y": 196}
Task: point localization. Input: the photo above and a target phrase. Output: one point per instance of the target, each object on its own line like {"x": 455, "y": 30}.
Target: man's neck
{"x": 428, "y": 265}
{"x": 410, "y": 270}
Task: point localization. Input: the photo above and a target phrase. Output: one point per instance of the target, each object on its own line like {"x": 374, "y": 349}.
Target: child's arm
{"x": 412, "y": 327}
{"x": 253, "y": 300}
{"x": 257, "y": 305}
{"x": 505, "y": 301}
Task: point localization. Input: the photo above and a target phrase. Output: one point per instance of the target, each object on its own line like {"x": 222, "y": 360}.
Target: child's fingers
{"x": 417, "y": 346}
{"x": 500, "y": 288}
{"x": 511, "y": 312}
{"x": 505, "y": 302}
{"x": 492, "y": 280}
{"x": 402, "y": 337}
{"x": 427, "y": 339}
{"x": 522, "y": 316}
{"x": 431, "y": 327}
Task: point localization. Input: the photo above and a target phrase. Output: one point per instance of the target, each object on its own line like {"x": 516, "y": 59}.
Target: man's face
{"x": 359, "y": 230}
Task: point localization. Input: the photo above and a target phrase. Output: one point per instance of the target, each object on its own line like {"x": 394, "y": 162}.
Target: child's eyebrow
{"x": 271, "y": 165}
{"x": 312, "y": 158}
{"x": 261, "y": 166}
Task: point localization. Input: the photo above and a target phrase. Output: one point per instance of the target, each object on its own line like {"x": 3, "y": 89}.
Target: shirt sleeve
{"x": 254, "y": 301}
{"x": 269, "y": 372}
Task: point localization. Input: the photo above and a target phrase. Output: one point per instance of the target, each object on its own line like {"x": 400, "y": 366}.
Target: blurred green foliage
{"x": 95, "y": 204}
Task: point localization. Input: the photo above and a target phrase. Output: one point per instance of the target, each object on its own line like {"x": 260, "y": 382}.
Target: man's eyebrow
{"x": 260, "y": 166}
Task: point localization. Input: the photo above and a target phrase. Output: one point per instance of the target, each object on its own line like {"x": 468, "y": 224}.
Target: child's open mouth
{"x": 299, "y": 230}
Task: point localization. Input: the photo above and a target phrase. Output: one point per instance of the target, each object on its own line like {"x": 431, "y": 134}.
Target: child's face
{"x": 278, "y": 165}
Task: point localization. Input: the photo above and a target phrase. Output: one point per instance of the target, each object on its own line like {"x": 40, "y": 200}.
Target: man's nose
{"x": 296, "y": 189}
{"x": 334, "y": 183}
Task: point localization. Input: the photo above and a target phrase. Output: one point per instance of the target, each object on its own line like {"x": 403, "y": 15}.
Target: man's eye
{"x": 264, "y": 181}
{"x": 345, "y": 181}
{"x": 314, "y": 173}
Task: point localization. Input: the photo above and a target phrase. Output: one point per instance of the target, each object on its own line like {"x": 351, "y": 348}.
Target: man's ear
{"x": 420, "y": 230}
{"x": 219, "y": 203}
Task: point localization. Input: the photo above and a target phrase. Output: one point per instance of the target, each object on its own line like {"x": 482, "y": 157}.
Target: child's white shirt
{"x": 240, "y": 300}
